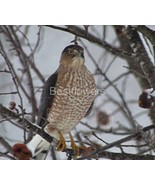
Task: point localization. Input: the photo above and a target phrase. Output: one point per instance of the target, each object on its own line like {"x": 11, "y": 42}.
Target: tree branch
{"x": 135, "y": 67}
{"x": 99, "y": 152}
{"x": 88, "y": 36}
{"x": 118, "y": 142}
{"x": 6, "y": 145}
{"x": 148, "y": 33}
{"x": 6, "y": 113}
{"x": 124, "y": 156}
{"x": 8, "y": 93}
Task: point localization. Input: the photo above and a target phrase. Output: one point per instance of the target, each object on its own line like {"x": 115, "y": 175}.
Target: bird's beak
{"x": 82, "y": 55}
{"x": 79, "y": 54}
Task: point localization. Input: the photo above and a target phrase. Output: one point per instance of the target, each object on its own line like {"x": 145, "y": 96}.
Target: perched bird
{"x": 67, "y": 97}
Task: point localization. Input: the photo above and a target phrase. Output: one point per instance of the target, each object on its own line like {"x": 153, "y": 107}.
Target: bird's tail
{"x": 37, "y": 149}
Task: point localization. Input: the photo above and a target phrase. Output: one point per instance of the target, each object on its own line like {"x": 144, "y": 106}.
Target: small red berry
{"x": 21, "y": 152}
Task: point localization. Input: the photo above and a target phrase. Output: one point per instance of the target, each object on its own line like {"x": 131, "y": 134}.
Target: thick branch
{"x": 88, "y": 36}
{"x": 142, "y": 58}
{"x": 124, "y": 156}
{"x": 141, "y": 63}
{"x": 147, "y": 32}
{"x": 134, "y": 64}
{"x": 141, "y": 55}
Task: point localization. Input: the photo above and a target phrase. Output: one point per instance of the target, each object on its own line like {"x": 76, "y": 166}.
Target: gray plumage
{"x": 46, "y": 99}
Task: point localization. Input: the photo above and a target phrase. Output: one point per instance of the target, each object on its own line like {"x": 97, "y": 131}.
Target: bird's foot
{"x": 77, "y": 149}
{"x": 61, "y": 144}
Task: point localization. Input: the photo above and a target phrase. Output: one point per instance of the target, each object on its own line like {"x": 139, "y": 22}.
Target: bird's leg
{"x": 61, "y": 144}
{"x": 76, "y": 148}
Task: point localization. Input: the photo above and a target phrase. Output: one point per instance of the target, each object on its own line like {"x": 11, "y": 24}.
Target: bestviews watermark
{"x": 75, "y": 91}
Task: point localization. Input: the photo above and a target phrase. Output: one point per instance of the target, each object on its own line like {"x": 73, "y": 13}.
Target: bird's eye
{"x": 70, "y": 52}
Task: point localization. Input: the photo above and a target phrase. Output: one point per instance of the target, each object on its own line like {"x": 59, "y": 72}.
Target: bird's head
{"x": 73, "y": 56}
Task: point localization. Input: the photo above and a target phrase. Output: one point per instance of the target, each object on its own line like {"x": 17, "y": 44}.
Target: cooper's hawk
{"x": 67, "y": 97}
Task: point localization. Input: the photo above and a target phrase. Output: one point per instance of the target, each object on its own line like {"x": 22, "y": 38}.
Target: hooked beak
{"x": 78, "y": 54}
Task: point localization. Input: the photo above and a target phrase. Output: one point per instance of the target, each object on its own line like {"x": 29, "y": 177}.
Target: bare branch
{"x": 124, "y": 156}
{"x": 8, "y": 93}
{"x": 4, "y": 71}
{"x": 5, "y": 144}
{"x": 119, "y": 142}
{"x": 118, "y": 100}
{"x": 4, "y": 112}
{"x": 82, "y": 33}
{"x": 147, "y": 32}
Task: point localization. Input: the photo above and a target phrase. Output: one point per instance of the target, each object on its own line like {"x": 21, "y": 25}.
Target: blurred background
{"x": 30, "y": 54}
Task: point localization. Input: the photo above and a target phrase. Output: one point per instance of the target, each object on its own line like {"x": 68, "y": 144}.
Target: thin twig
{"x": 118, "y": 142}
{"x": 8, "y": 93}
{"x": 4, "y": 71}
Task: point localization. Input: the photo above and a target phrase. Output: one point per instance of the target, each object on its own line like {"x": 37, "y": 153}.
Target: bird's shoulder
{"x": 47, "y": 97}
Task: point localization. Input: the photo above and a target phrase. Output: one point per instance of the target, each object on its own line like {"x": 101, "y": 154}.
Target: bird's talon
{"x": 61, "y": 144}
{"x": 77, "y": 149}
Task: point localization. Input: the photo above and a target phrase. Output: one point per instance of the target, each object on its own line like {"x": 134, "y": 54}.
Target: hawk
{"x": 67, "y": 97}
